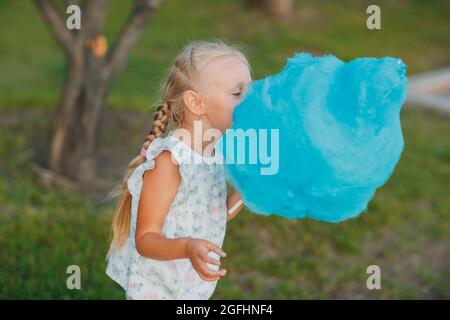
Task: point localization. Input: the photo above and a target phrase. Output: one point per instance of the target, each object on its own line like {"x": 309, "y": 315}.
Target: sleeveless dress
{"x": 198, "y": 211}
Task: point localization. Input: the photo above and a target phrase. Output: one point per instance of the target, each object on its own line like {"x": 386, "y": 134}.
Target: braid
{"x": 122, "y": 218}
{"x": 160, "y": 122}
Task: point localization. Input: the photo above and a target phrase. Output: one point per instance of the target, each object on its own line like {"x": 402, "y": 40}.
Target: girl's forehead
{"x": 226, "y": 72}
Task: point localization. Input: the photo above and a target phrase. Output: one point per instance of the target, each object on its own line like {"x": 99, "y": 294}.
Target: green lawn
{"x": 406, "y": 230}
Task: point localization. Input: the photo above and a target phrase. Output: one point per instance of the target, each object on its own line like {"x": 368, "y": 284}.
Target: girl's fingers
{"x": 210, "y": 260}
{"x": 216, "y": 249}
{"x": 209, "y": 279}
{"x": 202, "y": 268}
{"x": 207, "y": 274}
{"x": 212, "y": 273}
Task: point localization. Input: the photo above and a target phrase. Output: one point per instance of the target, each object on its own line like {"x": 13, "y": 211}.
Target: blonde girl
{"x": 171, "y": 215}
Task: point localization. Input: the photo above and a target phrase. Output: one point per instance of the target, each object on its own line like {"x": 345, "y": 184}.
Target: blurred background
{"x": 63, "y": 150}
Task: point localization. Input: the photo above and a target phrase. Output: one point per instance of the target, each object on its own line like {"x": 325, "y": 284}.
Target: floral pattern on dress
{"x": 198, "y": 211}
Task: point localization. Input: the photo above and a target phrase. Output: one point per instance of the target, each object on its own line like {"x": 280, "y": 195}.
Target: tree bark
{"x": 90, "y": 69}
{"x": 274, "y": 8}
{"x": 278, "y": 8}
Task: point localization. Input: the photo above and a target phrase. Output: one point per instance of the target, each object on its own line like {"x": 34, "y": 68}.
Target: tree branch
{"x": 70, "y": 2}
{"x": 56, "y": 24}
{"x": 135, "y": 26}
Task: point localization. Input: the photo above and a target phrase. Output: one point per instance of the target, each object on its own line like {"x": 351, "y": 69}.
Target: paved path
{"x": 430, "y": 89}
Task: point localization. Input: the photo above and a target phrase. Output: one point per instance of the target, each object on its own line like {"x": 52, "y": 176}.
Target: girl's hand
{"x": 197, "y": 251}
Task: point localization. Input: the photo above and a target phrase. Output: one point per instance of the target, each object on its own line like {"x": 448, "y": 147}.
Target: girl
{"x": 166, "y": 243}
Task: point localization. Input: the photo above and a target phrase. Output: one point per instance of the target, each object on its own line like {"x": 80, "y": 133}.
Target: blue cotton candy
{"x": 340, "y": 136}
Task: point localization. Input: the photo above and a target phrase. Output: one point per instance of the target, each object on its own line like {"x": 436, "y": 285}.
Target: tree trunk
{"x": 72, "y": 152}
{"x": 90, "y": 68}
{"x": 278, "y": 8}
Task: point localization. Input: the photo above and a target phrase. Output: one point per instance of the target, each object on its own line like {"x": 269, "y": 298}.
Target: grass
{"x": 406, "y": 230}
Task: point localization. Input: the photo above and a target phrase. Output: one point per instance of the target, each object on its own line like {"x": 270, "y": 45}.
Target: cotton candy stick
{"x": 234, "y": 208}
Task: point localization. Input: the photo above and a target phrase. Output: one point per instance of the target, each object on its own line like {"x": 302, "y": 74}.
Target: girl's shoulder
{"x": 161, "y": 144}
{"x": 154, "y": 150}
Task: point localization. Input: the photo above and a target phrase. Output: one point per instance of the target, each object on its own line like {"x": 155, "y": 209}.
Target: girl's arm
{"x": 232, "y": 200}
{"x": 159, "y": 187}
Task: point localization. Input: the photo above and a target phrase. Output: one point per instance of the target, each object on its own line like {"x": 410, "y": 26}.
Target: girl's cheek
{"x": 226, "y": 119}
{"x": 222, "y": 113}
{"x": 230, "y": 110}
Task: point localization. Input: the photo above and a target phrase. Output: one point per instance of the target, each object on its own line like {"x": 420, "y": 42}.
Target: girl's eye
{"x": 237, "y": 94}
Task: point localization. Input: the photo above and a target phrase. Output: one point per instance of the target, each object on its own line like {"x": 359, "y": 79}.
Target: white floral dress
{"x": 198, "y": 211}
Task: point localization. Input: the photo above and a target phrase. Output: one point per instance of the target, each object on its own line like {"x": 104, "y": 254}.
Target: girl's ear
{"x": 193, "y": 102}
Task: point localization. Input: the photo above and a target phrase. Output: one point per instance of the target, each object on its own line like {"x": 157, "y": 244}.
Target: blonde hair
{"x": 184, "y": 74}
